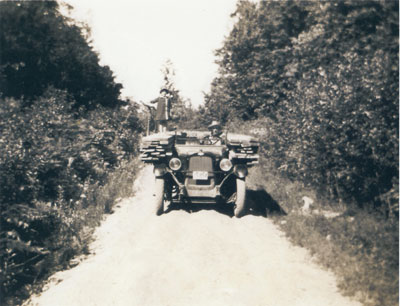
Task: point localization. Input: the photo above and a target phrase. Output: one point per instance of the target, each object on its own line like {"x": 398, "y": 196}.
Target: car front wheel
{"x": 159, "y": 196}
{"x": 240, "y": 204}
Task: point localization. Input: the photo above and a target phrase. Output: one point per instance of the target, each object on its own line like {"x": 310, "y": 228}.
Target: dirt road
{"x": 200, "y": 258}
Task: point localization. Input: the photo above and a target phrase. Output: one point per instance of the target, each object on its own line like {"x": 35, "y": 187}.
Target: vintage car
{"x": 190, "y": 168}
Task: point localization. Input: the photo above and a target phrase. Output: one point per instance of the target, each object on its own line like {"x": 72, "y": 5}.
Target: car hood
{"x": 188, "y": 150}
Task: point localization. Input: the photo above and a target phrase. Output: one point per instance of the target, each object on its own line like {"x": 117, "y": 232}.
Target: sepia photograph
{"x": 199, "y": 153}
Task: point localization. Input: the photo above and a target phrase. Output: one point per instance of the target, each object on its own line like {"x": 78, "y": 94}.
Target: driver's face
{"x": 215, "y": 132}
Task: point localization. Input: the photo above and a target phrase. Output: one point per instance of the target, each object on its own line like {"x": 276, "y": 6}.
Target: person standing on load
{"x": 163, "y": 110}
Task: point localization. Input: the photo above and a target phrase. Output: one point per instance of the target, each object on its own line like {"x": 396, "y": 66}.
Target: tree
{"x": 253, "y": 61}
{"x": 63, "y": 131}
{"x": 324, "y": 75}
{"x": 347, "y": 96}
{"x": 40, "y": 48}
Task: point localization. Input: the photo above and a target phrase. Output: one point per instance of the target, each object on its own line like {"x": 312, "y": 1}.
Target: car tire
{"x": 240, "y": 204}
{"x": 159, "y": 196}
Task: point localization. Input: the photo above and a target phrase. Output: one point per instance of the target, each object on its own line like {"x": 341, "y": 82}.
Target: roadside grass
{"x": 118, "y": 186}
{"x": 361, "y": 247}
{"x": 74, "y": 225}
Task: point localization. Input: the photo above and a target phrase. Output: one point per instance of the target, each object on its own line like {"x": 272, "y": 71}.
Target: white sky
{"x": 136, "y": 37}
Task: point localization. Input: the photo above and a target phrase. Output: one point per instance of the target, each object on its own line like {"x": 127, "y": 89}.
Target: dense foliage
{"x": 41, "y": 47}
{"x": 321, "y": 79}
{"x": 50, "y": 165}
{"x": 64, "y": 134}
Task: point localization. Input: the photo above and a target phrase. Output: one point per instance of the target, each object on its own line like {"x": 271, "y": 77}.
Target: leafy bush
{"x": 321, "y": 79}
{"x": 55, "y": 171}
{"x": 65, "y": 135}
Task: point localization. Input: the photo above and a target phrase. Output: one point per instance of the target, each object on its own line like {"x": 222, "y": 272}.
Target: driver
{"x": 216, "y": 131}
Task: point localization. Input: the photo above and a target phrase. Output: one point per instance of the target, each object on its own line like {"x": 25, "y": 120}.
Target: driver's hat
{"x": 164, "y": 90}
{"x": 214, "y": 124}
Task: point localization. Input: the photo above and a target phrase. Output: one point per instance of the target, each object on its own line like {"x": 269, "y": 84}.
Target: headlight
{"x": 225, "y": 164}
{"x": 175, "y": 164}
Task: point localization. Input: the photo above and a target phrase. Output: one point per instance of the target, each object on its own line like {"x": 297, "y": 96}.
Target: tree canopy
{"x": 40, "y": 47}
{"x": 63, "y": 133}
{"x": 324, "y": 75}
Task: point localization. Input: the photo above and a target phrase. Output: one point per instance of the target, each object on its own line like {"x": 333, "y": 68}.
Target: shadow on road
{"x": 259, "y": 203}
{"x": 225, "y": 209}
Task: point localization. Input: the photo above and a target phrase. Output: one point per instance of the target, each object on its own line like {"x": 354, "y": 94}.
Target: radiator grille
{"x": 200, "y": 163}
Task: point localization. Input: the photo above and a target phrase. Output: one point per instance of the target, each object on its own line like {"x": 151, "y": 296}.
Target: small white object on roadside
{"x": 307, "y": 204}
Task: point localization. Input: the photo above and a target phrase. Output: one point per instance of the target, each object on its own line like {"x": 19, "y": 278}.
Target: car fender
{"x": 240, "y": 171}
{"x": 159, "y": 170}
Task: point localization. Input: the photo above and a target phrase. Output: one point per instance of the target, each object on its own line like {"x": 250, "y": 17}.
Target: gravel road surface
{"x": 181, "y": 258}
